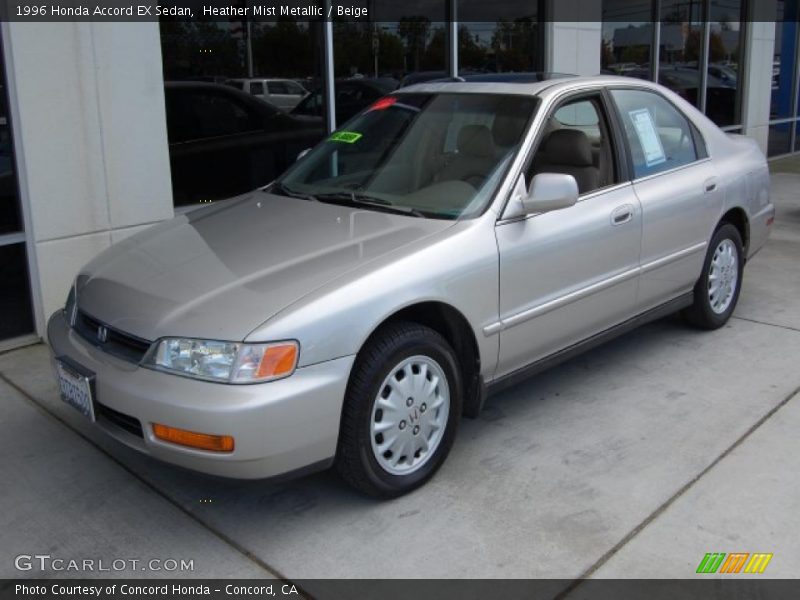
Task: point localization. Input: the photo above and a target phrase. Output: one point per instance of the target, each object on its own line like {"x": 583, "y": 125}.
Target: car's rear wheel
{"x": 401, "y": 411}
{"x": 717, "y": 290}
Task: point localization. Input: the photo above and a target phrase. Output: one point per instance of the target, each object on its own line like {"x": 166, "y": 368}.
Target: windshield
{"x": 430, "y": 155}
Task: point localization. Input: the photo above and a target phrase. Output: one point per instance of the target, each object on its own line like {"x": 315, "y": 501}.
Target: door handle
{"x": 622, "y": 214}
{"x": 710, "y": 184}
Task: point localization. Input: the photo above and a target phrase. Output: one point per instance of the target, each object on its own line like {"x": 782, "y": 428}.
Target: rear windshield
{"x": 435, "y": 155}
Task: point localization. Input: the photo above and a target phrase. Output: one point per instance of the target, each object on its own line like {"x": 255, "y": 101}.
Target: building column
{"x": 573, "y": 46}
{"x": 757, "y": 81}
{"x": 89, "y": 126}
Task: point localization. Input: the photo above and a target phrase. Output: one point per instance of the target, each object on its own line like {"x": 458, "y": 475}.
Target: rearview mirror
{"x": 550, "y": 191}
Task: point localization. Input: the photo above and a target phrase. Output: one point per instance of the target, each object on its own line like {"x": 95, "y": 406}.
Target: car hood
{"x": 220, "y": 271}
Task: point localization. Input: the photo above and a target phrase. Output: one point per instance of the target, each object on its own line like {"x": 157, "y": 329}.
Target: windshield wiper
{"x": 283, "y": 190}
{"x": 364, "y": 200}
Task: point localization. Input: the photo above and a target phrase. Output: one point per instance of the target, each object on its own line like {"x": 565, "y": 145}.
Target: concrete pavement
{"x": 633, "y": 460}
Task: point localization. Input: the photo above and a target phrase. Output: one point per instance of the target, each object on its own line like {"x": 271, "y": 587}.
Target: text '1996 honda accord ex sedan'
{"x": 448, "y": 240}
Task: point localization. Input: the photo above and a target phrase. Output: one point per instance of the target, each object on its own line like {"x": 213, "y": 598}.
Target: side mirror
{"x": 302, "y": 154}
{"x": 550, "y": 191}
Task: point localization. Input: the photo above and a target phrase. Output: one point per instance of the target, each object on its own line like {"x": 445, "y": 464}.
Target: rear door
{"x": 569, "y": 274}
{"x": 675, "y": 183}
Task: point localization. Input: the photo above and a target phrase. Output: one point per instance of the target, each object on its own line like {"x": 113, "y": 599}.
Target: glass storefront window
{"x": 627, "y": 49}
{"x": 233, "y": 91}
{"x": 627, "y": 39}
{"x": 16, "y": 305}
{"x": 16, "y": 312}
{"x": 783, "y": 63}
{"x": 513, "y": 43}
{"x": 725, "y": 45}
{"x": 779, "y": 139}
{"x": 373, "y": 59}
{"x": 681, "y": 48}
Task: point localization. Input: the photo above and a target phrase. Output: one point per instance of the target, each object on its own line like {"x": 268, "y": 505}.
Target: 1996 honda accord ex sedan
{"x": 448, "y": 240}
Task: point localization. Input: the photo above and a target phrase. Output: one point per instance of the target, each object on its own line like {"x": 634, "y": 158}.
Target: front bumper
{"x": 278, "y": 427}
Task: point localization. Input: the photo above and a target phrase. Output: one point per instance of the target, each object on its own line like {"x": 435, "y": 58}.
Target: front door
{"x": 568, "y": 274}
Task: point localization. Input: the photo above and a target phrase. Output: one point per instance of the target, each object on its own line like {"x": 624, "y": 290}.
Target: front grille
{"x": 117, "y": 343}
{"x": 130, "y": 424}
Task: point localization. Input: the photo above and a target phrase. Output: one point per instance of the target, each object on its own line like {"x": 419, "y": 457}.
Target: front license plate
{"x": 75, "y": 383}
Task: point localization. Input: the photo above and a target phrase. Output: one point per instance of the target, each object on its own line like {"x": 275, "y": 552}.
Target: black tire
{"x": 701, "y": 314}
{"x": 355, "y": 459}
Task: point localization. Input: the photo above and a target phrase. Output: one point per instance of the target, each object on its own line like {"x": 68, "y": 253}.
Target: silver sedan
{"x": 447, "y": 241}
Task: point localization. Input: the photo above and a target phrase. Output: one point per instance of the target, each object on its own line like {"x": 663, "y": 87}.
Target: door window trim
{"x": 697, "y": 135}
{"x": 592, "y": 94}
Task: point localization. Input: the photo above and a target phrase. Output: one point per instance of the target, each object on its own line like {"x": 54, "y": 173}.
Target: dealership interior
{"x": 173, "y": 114}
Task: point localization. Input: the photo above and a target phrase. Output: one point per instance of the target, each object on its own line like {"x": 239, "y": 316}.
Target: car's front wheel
{"x": 717, "y": 290}
{"x": 401, "y": 411}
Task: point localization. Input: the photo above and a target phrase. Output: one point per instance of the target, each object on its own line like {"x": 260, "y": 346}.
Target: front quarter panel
{"x": 458, "y": 268}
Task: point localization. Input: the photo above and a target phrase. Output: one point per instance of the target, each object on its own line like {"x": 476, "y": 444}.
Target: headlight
{"x": 228, "y": 362}
{"x": 70, "y": 306}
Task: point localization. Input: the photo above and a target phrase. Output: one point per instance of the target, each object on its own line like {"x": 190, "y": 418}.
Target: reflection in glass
{"x": 725, "y": 49}
{"x": 511, "y": 43}
{"x": 10, "y": 218}
{"x": 500, "y": 47}
{"x": 627, "y": 38}
{"x": 388, "y": 50}
{"x": 16, "y": 313}
{"x": 779, "y": 138}
{"x": 373, "y": 59}
{"x": 681, "y": 48}
{"x": 231, "y": 90}
{"x": 783, "y": 61}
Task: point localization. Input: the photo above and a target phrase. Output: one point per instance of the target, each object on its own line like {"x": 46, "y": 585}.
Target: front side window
{"x": 576, "y": 142}
{"x": 432, "y": 155}
{"x": 659, "y": 136}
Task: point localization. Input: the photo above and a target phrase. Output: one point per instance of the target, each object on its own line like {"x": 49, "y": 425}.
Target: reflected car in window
{"x": 223, "y": 142}
{"x": 283, "y": 93}
{"x": 450, "y": 240}
{"x": 352, "y": 95}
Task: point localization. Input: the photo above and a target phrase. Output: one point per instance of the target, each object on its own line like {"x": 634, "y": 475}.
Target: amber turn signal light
{"x": 192, "y": 439}
{"x": 277, "y": 361}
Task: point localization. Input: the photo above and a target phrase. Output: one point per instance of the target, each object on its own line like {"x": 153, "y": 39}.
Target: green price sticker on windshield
{"x": 347, "y": 137}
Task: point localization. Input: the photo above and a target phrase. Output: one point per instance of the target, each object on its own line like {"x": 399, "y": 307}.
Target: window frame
{"x": 612, "y": 126}
{"x": 698, "y": 141}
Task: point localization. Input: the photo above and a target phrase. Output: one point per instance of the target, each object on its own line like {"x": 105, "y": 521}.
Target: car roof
{"x": 523, "y": 86}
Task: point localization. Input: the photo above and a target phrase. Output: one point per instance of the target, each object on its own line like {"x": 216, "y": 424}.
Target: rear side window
{"x": 257, "y": 88}
{"x": 295, "y": 88}
{"x": 659, "y": 136}
{"x": 277, "y": 87}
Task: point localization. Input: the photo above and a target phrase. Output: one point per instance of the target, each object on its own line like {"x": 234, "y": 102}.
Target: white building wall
{"x": 573, "y": 47}
{"x": 757, "y": 90}
{"x": 573, "y": 36}
{"x": 87, "y": 103}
